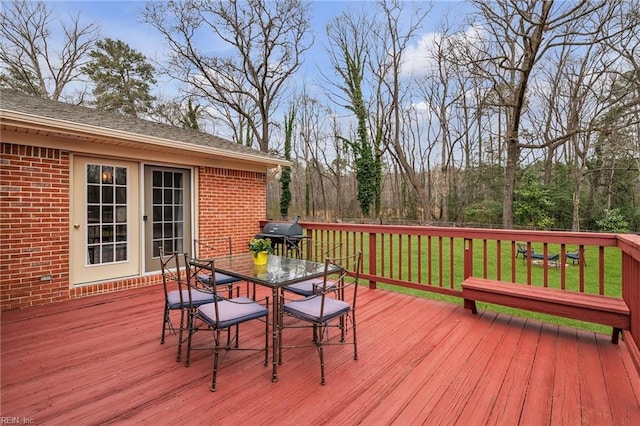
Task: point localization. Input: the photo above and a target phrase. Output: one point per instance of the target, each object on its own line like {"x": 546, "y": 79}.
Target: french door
{"x": 167, "y": 212}
{"x": 105, "y": 235}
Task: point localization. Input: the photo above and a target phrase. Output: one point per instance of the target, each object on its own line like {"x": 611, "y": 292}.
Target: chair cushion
{"x": 305, "y": 288}
{"x": 309, "y": 308}
{"x": 232, "y": 311}
{"x": 221, "y": 279}
{"x": 197, "y": 298}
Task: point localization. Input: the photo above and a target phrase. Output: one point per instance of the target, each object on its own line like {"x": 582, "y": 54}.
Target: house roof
{"x": 27, "y": 112}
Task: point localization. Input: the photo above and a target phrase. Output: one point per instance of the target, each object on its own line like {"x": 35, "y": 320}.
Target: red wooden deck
{"x": 98, "y": 360}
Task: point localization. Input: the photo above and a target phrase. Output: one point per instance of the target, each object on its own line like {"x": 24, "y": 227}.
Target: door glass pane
{"x": 106, "y": 205}
{"x": 93, "y": 194}
{"x": 107, "y": 194}
{"x": 93, "y": 173}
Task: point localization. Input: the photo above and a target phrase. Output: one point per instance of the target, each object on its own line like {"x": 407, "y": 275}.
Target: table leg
{"x": 274, "y": 328}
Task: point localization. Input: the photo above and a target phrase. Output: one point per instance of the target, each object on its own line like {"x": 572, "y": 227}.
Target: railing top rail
{"x": 559, "y": 237}
{"x": 630, "y": 244}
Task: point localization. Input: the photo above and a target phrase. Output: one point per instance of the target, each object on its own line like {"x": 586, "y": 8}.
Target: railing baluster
{"x": 600, "y": 269}
{"x": 451, "y": 263}
{"x": 430, "y": 259}
{"x": 420, "y": 258}
{"x": 440, "y": 266}
{"x": 484, "y": 259}
{"x": 499, "y": 259}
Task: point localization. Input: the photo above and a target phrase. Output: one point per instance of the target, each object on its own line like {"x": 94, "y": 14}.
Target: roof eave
{"x": 73, "y": 128}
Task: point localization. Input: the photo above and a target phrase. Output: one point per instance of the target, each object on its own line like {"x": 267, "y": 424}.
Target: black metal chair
{"x": 328, "y": 308}
{"x": 316, "y": 250}
{"x": 176, "y": 297}
{"x": 574, "y": 256}
{"x": 210, "y": 250}
{"x": 220, "y": 313}
{"x": 521, "y": 250}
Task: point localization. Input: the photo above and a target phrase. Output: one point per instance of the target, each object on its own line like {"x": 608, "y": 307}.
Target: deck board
{"x": 98, "y": 360}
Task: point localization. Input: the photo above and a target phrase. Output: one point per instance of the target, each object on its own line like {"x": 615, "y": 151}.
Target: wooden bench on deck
{"x": 598, "y": 309}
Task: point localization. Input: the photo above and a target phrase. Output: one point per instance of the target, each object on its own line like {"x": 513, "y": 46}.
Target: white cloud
{"x": 419, "y": 59}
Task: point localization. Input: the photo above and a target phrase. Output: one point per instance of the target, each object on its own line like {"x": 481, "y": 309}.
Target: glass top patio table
{"x": 279, "y": 271}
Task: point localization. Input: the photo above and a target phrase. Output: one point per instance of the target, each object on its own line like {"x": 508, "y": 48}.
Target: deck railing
{"x": 438, "y": 259}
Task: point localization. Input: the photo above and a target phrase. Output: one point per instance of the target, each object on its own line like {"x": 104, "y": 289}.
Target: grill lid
{"x": 281, "y": 229}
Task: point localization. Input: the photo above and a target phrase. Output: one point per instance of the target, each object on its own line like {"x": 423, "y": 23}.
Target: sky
{"x": 121, "y": 20}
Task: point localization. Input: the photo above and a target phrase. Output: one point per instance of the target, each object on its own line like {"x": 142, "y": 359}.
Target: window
{"x": 106, "y": 214}
{"x": 168, "y": 211}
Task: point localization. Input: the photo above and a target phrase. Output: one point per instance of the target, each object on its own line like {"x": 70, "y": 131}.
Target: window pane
{"x": 168, "y": 230}
{"x": 107, "y": 214}
{"x": 93, "y": 173}
{"x": 177, "y": 213}
{"x": 168, "y": 213}
{"x": 107, "y": 253}
{"x": 168, "y": 179}
{"x": 178, "y": 229}
{"x": 177, "y": 180}
{"x": 121, "y": 214}
{"x": 93, "y": 194}
{"x": 107, "y": 194}
{"x": 177, "y": 196}
{"x": 168, "y": 196}
{"x": 121, "y": 176}
{"x": 121, "y": 232}
{"x": 157, "y": 231}
{"x": 157, "y": 196}
{"x": 157, "y": 213}
{"x": 93, "y": 214}
{"x": 121, "y": 252}
{"x": 107, "y": 175}
{"x": 93, "y": 253}
{"x": 107, "y": 233}
{"x": 157, "y": 178}
{"x": 93, "y": 234}
{"x": 121, "y": 195}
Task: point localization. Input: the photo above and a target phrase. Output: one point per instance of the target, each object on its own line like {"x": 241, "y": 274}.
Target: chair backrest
{"x": 211, "y": 248}
{"x": 344, "y": 282}
{"x": 311, "y": 249}
{"x": 196, "y": 269}
{"x": 171, "y": 274}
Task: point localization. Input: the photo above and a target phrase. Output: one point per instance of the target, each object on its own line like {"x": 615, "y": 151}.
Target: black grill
{"x": 278, "y": 231}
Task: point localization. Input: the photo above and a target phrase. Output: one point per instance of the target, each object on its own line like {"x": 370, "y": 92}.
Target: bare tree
{"x": 30, "y": 61}
{"x": 259, "y": 46}
{"x": 391, "y": 39}
{"x": 516, "y": 35}
{"x": 349, "y": 52}
{"x": 571, "y": 97}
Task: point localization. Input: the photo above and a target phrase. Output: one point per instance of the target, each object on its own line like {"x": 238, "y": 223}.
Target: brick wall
{"x": 232, "y": 203}
{"x": 34, "y": 223}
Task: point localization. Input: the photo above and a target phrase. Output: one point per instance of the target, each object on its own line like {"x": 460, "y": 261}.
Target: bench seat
{"x": 593, "y": 308}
